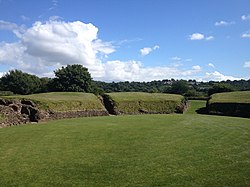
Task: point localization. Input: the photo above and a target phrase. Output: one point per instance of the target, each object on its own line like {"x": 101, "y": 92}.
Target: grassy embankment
{"x": 140, "y": 150}
{"x": 230, "y": 103}
{"x": 139, "y": 102}
{"x": 64, "y": 101}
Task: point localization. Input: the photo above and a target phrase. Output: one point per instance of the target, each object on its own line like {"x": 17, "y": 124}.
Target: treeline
{"x": 189, "y": 88}
{"x": 76, "y": 78}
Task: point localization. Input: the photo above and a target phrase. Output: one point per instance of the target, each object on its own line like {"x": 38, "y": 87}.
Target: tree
{"x": 179, "y": 87}
{"x": 220, "y": 87}
{"x": 73, "y": 78}
{"x": 20, "y": 83}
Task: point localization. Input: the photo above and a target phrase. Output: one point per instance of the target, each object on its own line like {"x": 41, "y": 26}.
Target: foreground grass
{"x": 64, "y": 101}
{"x": 231, "y": 97}
{"x": 145, "y": 150}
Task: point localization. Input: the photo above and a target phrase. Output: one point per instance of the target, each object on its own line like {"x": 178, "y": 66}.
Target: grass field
{"x": 64, "y": 101}
{"x": 231, "y": 97}
{"x": 141, "y": 150}
{"x": 137, "y": 102}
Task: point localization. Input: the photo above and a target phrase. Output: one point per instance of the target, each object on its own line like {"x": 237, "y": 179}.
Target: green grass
{"x": 195, "y": 105}
{"x": 64, "y": 101}
{"x": 141, "y": 150}
{"x": 231, "y": 97}
{"x": 230, "y": 104}
{"x": 134, "y": 102}
{"x": 135, "y": 96}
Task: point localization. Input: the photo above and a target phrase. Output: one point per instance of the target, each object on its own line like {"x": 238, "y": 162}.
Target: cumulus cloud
{"x": 245, "y": 17}
{"x": 135, "y": 71}
{"x": 146, "y": 50}
{"x": 211, "y": 65}
{"x": 53, "y": 44}
{"x": 246, "y": 34}
{"x": 217, "y": 76}
{"x": 46, "y": 46}
{"x": 247, "y": 64}
{"x": 224, "y": 23}
{"x": 200, "y": 36}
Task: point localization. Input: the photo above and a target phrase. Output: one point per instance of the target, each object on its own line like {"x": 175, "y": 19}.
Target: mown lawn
{"x": 139, "y": 150}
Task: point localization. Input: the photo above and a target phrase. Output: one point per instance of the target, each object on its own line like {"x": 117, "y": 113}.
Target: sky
{"x": 128, "y": 40}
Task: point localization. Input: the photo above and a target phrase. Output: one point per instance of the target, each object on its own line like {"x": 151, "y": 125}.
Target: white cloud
{"x": 55, "y": 18}
{"x": 53, "y": 44}
{"x": 198, "y": 68}
{"x": 247, "y": 64}
{"x": 199, "y": 36}
{"x": 224, "y": 23}
{"x": 188, "y": 60}
{"x": 209, "y": 38}
{"x": 24, "y": 18}
{"x": 176, "y": 58}
{"x": 245, "y": 17}
{"x": 54, "y": 4}
{"x": 135, "y": 71}
{"x": 156, "y": 47}
{"x": 47, "y": 46}
{"x": 211, "y": 65}
{"x": 217, "y": 76}
{"x": 146, "y": 50}
{"x": 246, "y": 34}
{"x": 4, "y": 25}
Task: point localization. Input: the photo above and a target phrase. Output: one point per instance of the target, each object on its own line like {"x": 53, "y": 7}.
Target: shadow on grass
{"x": 202, "y": 110}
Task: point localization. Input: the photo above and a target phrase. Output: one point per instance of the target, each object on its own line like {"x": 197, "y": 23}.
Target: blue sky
{"x": 128, "y": 40}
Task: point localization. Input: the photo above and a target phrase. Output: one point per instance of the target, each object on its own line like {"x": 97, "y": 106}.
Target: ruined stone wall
{"x": 17, "y": 112}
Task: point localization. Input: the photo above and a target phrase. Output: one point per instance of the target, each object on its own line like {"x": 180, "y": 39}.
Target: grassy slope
{"x": 65, "y": 101}
{"x": 147, "y": 150}
{"x": 132, "y": 102}
{"x": 231, "y": 97}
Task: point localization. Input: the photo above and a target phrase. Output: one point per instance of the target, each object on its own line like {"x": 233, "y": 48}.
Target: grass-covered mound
{"x": 139, "y": 102}
{"x": 64, "y": 101}
{"x": 20, "y": 109}
{"x": 230, "y": 103}
{"x": 141, "y": 150}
